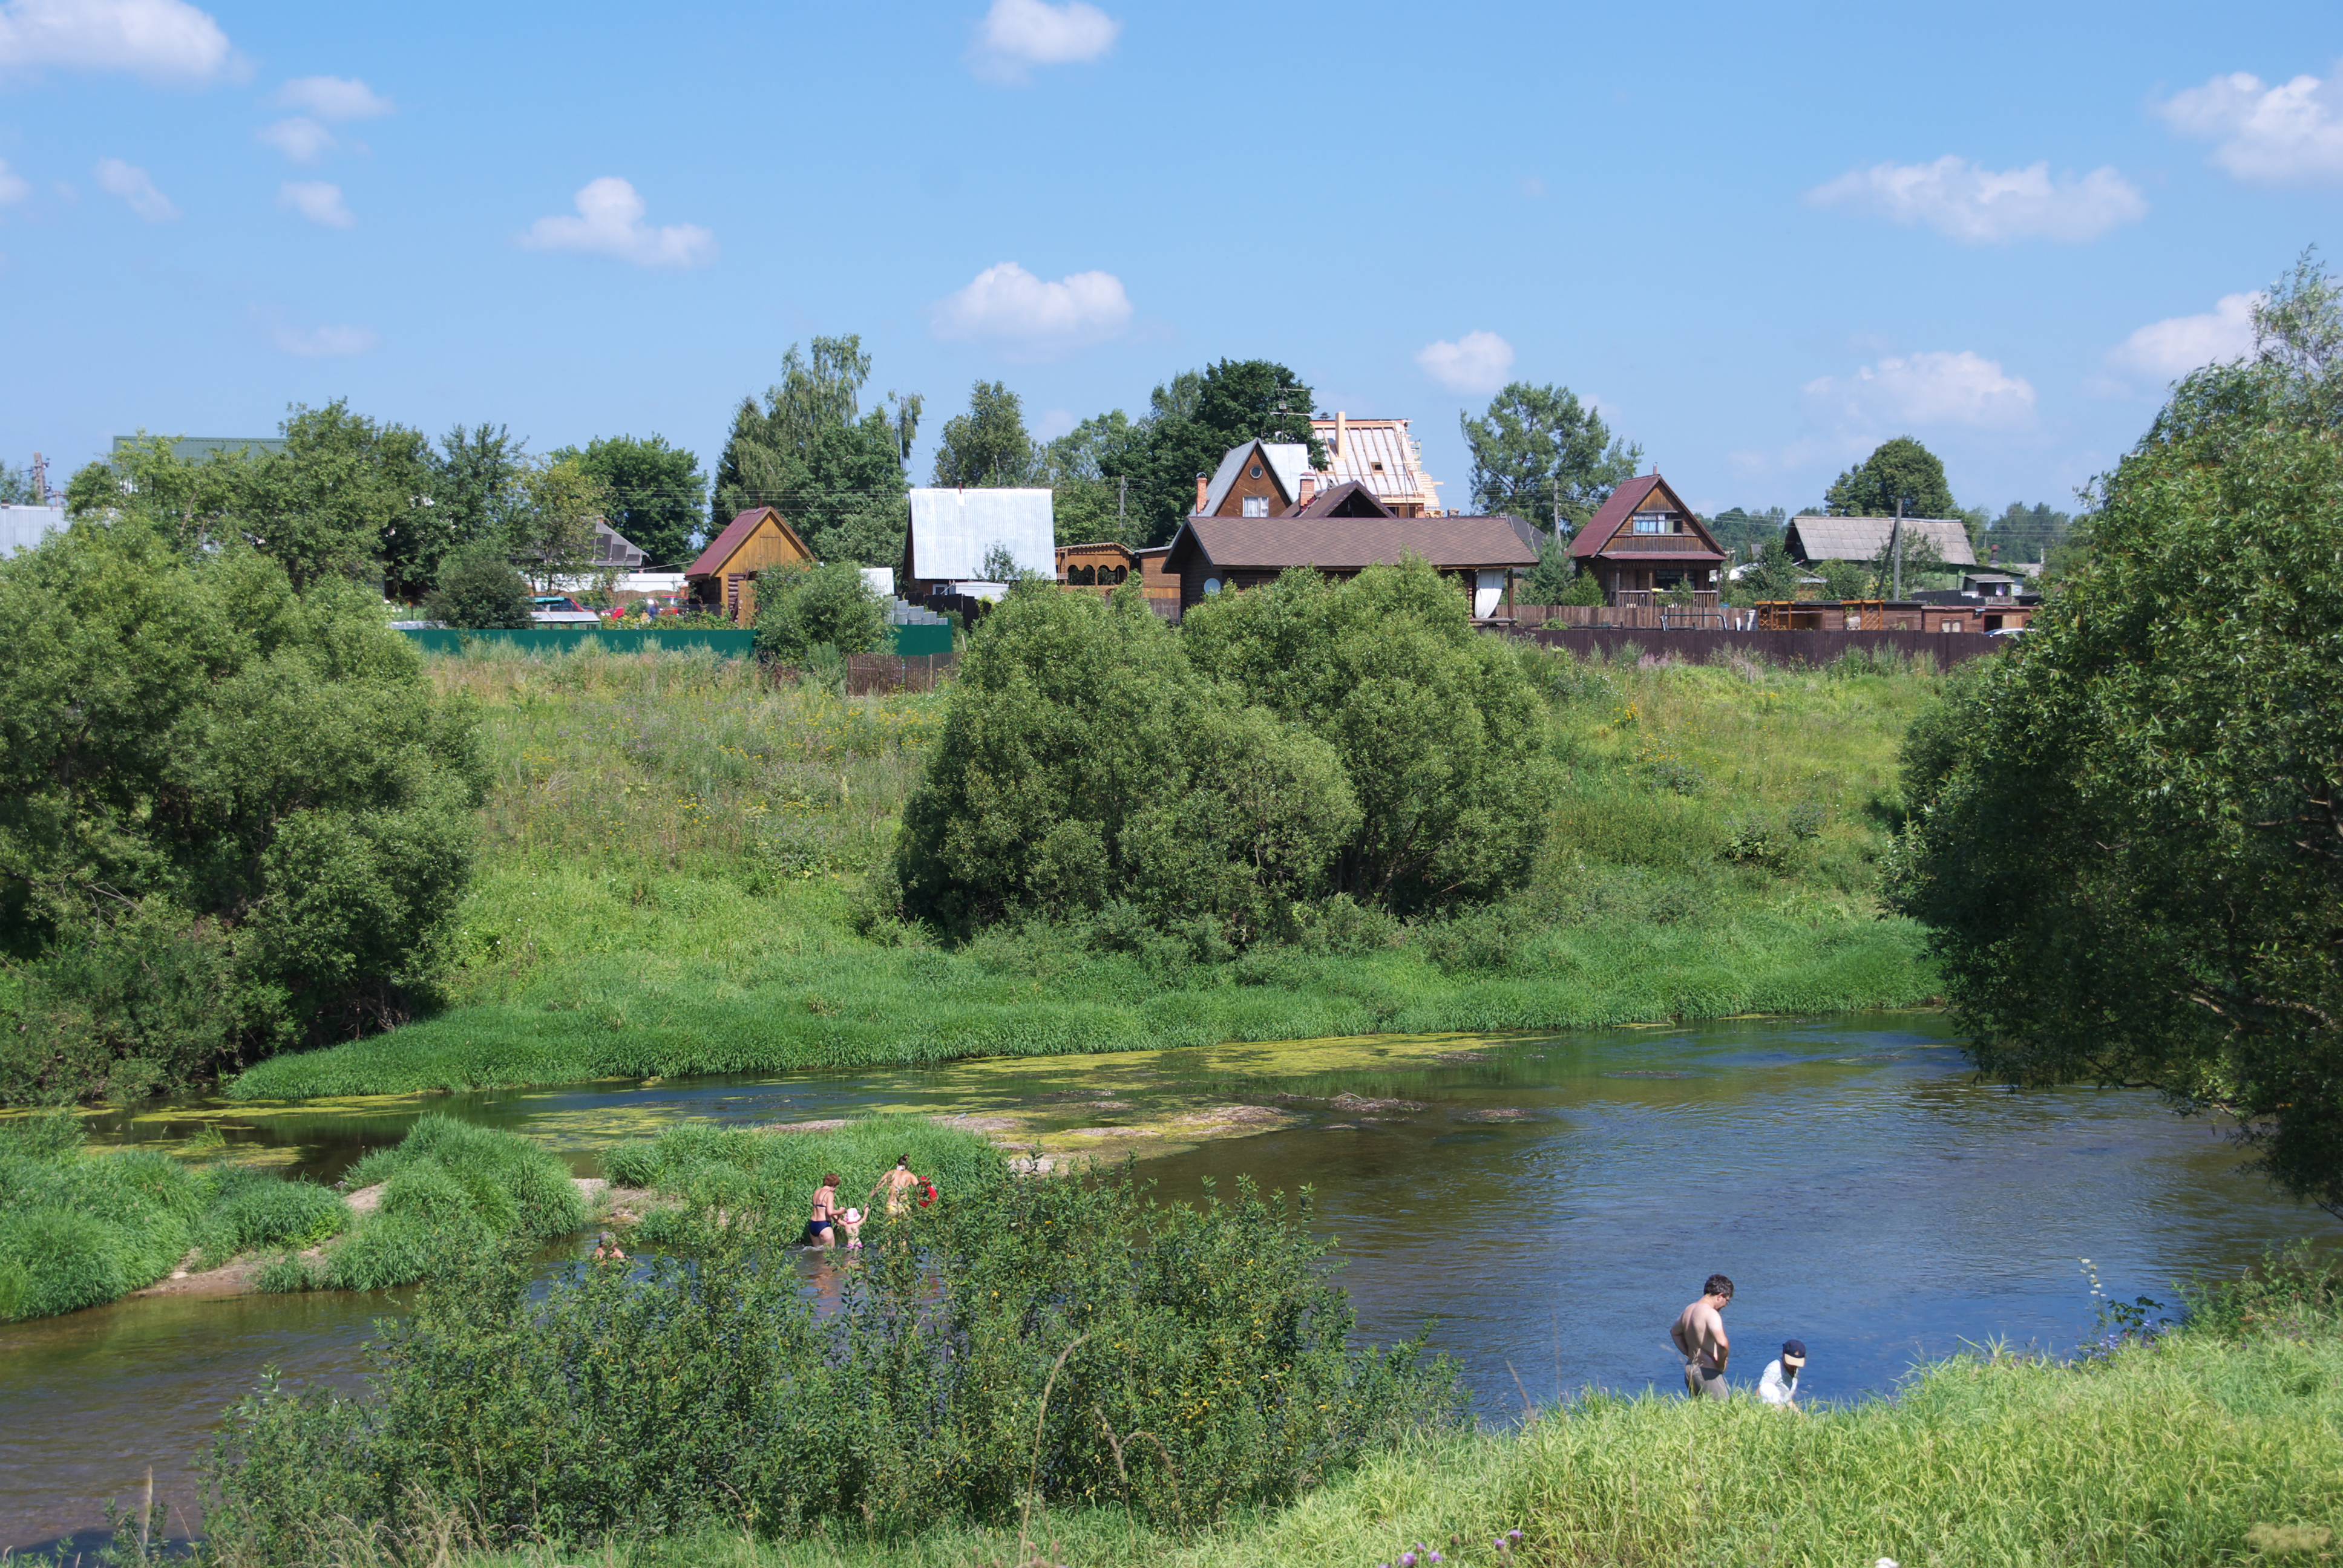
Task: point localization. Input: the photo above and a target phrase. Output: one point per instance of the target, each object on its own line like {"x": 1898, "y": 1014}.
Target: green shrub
{"x": 77, "y": 1231}
{"x": 1062, "y": 1335}
{"x": 479, "y": 591}
{"x": 257, "y": 1210}
{"x": 823, "y": 606}
{"x": 445, "y": 1173}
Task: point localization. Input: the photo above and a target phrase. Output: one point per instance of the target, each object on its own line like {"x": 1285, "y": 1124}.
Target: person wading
{"x": 898, "y": 1183}
{"x": 1699, "y": 1336}
{"x": 818, "y": 1231}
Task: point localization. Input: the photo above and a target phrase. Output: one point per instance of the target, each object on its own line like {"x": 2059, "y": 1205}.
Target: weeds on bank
{"x": 676, "y": 844}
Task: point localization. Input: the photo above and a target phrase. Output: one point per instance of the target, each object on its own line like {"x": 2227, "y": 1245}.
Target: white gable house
{"x": 954, "y": 532}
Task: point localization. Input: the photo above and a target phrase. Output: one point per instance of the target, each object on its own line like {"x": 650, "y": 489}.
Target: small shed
{"x": 724, "y": 577}
{"x": 953, "y": 531}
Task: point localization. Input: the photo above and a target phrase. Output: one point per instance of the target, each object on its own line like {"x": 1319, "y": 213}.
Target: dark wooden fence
{"x": 1817, "y": 648}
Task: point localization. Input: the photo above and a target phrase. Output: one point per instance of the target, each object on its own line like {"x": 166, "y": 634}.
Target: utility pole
{"x": 40, "y": 480}
{"x": 1121, "y": 488}
{"x": 1896, "y": 546}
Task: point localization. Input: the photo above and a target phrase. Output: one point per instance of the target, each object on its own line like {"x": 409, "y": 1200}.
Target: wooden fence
{"x": 1817, "y": 648}
{"x": 1635, "y": 616}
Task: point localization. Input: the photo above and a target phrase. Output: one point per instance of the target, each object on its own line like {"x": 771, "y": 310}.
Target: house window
{"x": 1655, "y": 522}
{"x": 1256, "y": 470}
{"x": 1256, "y": 506}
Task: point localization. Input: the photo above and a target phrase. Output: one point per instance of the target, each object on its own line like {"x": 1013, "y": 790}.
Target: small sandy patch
{"x": 1231, "y": 1115}
{"x": 977, "y": 1123}
{"x": 832, "y": 1125}
{"x": 1111, "y": 1132}
{"x": 1494, "y": 1113}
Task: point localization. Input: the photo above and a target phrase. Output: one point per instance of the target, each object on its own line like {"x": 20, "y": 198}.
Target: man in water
{"x": 1779, "y": 1385}
{"x": 1699, "y": 1336}
{"x": 898, "y": 1183}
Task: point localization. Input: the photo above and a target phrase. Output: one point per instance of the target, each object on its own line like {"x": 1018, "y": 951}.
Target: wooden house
{"x": 1645, "y": 541}
{"x": 1256, "y": 479}
{"x": 1213, "y": 554}
{"x": 724, "y": 577}
{"x": 1155, "y": 578}
{"x": 1810, "y": 539}
{"x": 954, "y": 532}
{"x": 1102, "y": 565}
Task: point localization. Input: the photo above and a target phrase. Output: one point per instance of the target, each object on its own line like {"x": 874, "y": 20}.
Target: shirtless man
{"x": 1699, "y": 1336}
{"x": 898, "y": 1183}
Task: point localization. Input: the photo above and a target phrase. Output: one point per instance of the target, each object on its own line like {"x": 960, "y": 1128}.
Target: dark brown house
{"x": 1212, "y": 554}
{"x": 1645, "y": 541}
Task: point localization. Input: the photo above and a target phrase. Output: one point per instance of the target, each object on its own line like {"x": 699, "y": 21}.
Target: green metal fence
{"x": 910, "y": 641}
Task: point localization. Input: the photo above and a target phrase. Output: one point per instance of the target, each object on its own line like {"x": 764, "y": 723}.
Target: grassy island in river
{"x": 675, "y": 851}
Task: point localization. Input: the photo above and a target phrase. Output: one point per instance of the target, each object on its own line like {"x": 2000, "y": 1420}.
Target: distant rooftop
{"x": 199, "y": 449}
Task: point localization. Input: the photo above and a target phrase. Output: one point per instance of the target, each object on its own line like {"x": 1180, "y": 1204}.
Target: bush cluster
{"x": 1285, "y": 744}
{"x": 1063, "y": 1338}
{"x": 232, "y": 816}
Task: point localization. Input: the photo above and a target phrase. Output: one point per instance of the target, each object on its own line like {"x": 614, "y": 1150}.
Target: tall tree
{"x": 1543, "y": 456}
{"x": 552, "y": 529}
{"x": 1195, "y": 418}
{"x": 988, "y": 446}
{"x": 834, "y": 469}
{"x": 1089, "y": 470}
{"x": 476, "y": 482}
{"x": 657, "y": 496}
{"x": 2024, "y": 533}
{"x": 1746, "y": 533}
{"x": 1898, "y": 471}
{"x": 2127, "y": 836}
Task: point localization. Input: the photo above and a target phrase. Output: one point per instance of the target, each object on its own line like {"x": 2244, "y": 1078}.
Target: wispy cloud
{"x": 136, "y": 187}
{"x": 13, "y": 186}
{"x": 1008, "y": 307}
{"x": 2284, "y": 135}
{"x": 318, "y": 342}
{"x": 1979, "y": 205}
{"x": 2163, "y": 351}
{"x": 609, "y": 222}
{"x": 1018, "y": 35}
{"x": 1927, "y": 389}
{"x": 299, "y": 138}
{"x": 161, "y": 40}
{"x": 319, "y": 201}
{"x": 1476, "y": 362}
{"x": 333, "y": 99}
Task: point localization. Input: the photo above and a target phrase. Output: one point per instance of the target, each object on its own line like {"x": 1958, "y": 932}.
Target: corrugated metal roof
{"x": 1611, "y": 514}
{"x": 1347, "y": 544}
{"x": 24, "y": 527}
{"x": 1820, "y": 539}
{"x": 954, "y": 530}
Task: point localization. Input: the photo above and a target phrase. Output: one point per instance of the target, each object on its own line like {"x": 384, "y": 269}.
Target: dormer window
{"x": 1256, "y": 506}
{"x": 1656, "y": 523}
{"x": 1376, "y": 468}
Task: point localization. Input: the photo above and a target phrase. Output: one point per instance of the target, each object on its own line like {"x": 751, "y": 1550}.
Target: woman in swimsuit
{"x": 818, "y": 1231}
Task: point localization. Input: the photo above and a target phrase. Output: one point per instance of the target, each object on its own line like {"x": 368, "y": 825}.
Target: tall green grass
{"x": 675, "y": 845}
{"x": 2223, "y": 1442}
{"x": 78, "y": 1229}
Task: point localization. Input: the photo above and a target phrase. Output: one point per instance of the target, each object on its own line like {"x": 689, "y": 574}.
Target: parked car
{"x": 560, "y": 610}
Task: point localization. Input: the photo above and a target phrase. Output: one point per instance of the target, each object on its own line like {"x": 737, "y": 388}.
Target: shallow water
{"x": 1552, "y": 1203}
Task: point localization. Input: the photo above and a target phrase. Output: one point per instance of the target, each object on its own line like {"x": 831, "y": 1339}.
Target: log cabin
{"x": 1645, "y": 541}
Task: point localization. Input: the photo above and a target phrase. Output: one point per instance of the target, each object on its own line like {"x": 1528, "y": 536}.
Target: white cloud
{"x": 161, "y": 40}
{"x": 319, "y": 201}
{"x": 300, "y": 138}
{"x": 1976, "y": 205}
{"x": 135, "y": 186}
{"x": 2166, "y": 350}
{"x": 1008, "y": 306}
{"x": 1476, "y": 362}
{"x": 2270, "y": 136}
{"x": 332, "y": 98}
{"x": 609, "y": 222}
{"x": 1016, "y": 35}
{"x": 13, "y": 186}
{"x": 323, "y": 342}
{"x": 1929, "y": 389}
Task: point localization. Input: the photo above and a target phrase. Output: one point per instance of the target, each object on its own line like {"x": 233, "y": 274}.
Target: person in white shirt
{"x": 1778, "y": 1386}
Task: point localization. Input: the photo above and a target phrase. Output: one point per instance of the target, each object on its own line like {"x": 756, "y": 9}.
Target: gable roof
{"x": 1348, "y": 499}
{"x": 1348, "y": 543}
{"x": 736, "y": 533}
{"x": 1624, "y": 504}
{"x": 954, "y": 530}
{"x": 1285, "y": 461}
{"x": 1378, "y": 453}
{"x": 1818, "y": 538}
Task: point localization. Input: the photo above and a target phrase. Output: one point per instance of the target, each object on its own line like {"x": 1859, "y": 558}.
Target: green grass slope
{"x": 673, "y": 845}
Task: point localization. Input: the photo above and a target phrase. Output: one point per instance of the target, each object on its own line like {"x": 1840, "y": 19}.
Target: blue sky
{"x": 1763, "y": 238}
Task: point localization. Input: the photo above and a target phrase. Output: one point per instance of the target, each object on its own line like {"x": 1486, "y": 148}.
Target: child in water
{"x": 852, "y": 1220}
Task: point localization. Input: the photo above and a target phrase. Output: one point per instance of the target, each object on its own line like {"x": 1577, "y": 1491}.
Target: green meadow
{"x": 674, "y": 848}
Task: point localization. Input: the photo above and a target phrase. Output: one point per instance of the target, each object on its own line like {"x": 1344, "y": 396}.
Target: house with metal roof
{"x": 1643, "y": 541}
{"x": 1380, "y": 455}
{"x": 1255, "y": 479}
{"x": 954, "y": 532}
{"x": 1812, "y": 539}
{"x": 1213, "y": 555}
{"x": 24, "y": 527}
{"x": 724, "y": 577}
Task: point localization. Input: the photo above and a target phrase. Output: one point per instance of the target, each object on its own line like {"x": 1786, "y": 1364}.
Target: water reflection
{"x": 1551, "y": 1202}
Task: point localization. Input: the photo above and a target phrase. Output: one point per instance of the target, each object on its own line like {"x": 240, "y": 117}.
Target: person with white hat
{"x": 1779, "y": 1384}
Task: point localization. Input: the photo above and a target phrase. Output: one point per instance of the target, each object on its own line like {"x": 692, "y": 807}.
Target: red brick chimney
{"x": 1309, "y": 487}
{"x": 1203, "y": 483}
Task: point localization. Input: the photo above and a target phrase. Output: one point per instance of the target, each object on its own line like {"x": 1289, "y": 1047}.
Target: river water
{"x": 1549, "y": 1203}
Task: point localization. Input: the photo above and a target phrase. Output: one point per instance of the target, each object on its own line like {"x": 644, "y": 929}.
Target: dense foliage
{"x": 833, "y": 468}
{"x": 655, "y": 493}
{"x": 2127, "y": 840}
{"x": 232, "y": 816}
{"x": 78, "y": 1229}
{"x": 828, "y": 606}
{"x": 1543, "y": 455}
{"x": 1064, "y": 1337}
{"x": 1901, "y": 471}
{"x": 478, "y": 591}
{"x": 988, "y": 445}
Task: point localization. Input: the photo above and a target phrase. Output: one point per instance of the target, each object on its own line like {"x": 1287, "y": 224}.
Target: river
{"x": 1550, "y": 1202}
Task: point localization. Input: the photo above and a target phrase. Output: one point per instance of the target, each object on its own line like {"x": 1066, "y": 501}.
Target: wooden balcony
{"x": 1640, "y": 544}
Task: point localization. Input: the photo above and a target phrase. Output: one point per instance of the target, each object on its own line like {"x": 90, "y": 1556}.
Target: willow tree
{"x": 2127, "y": 840}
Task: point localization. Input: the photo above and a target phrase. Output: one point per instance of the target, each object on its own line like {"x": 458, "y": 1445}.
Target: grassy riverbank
{"x": 2219, "y": 1443}
{"x": 674, "y": 849}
